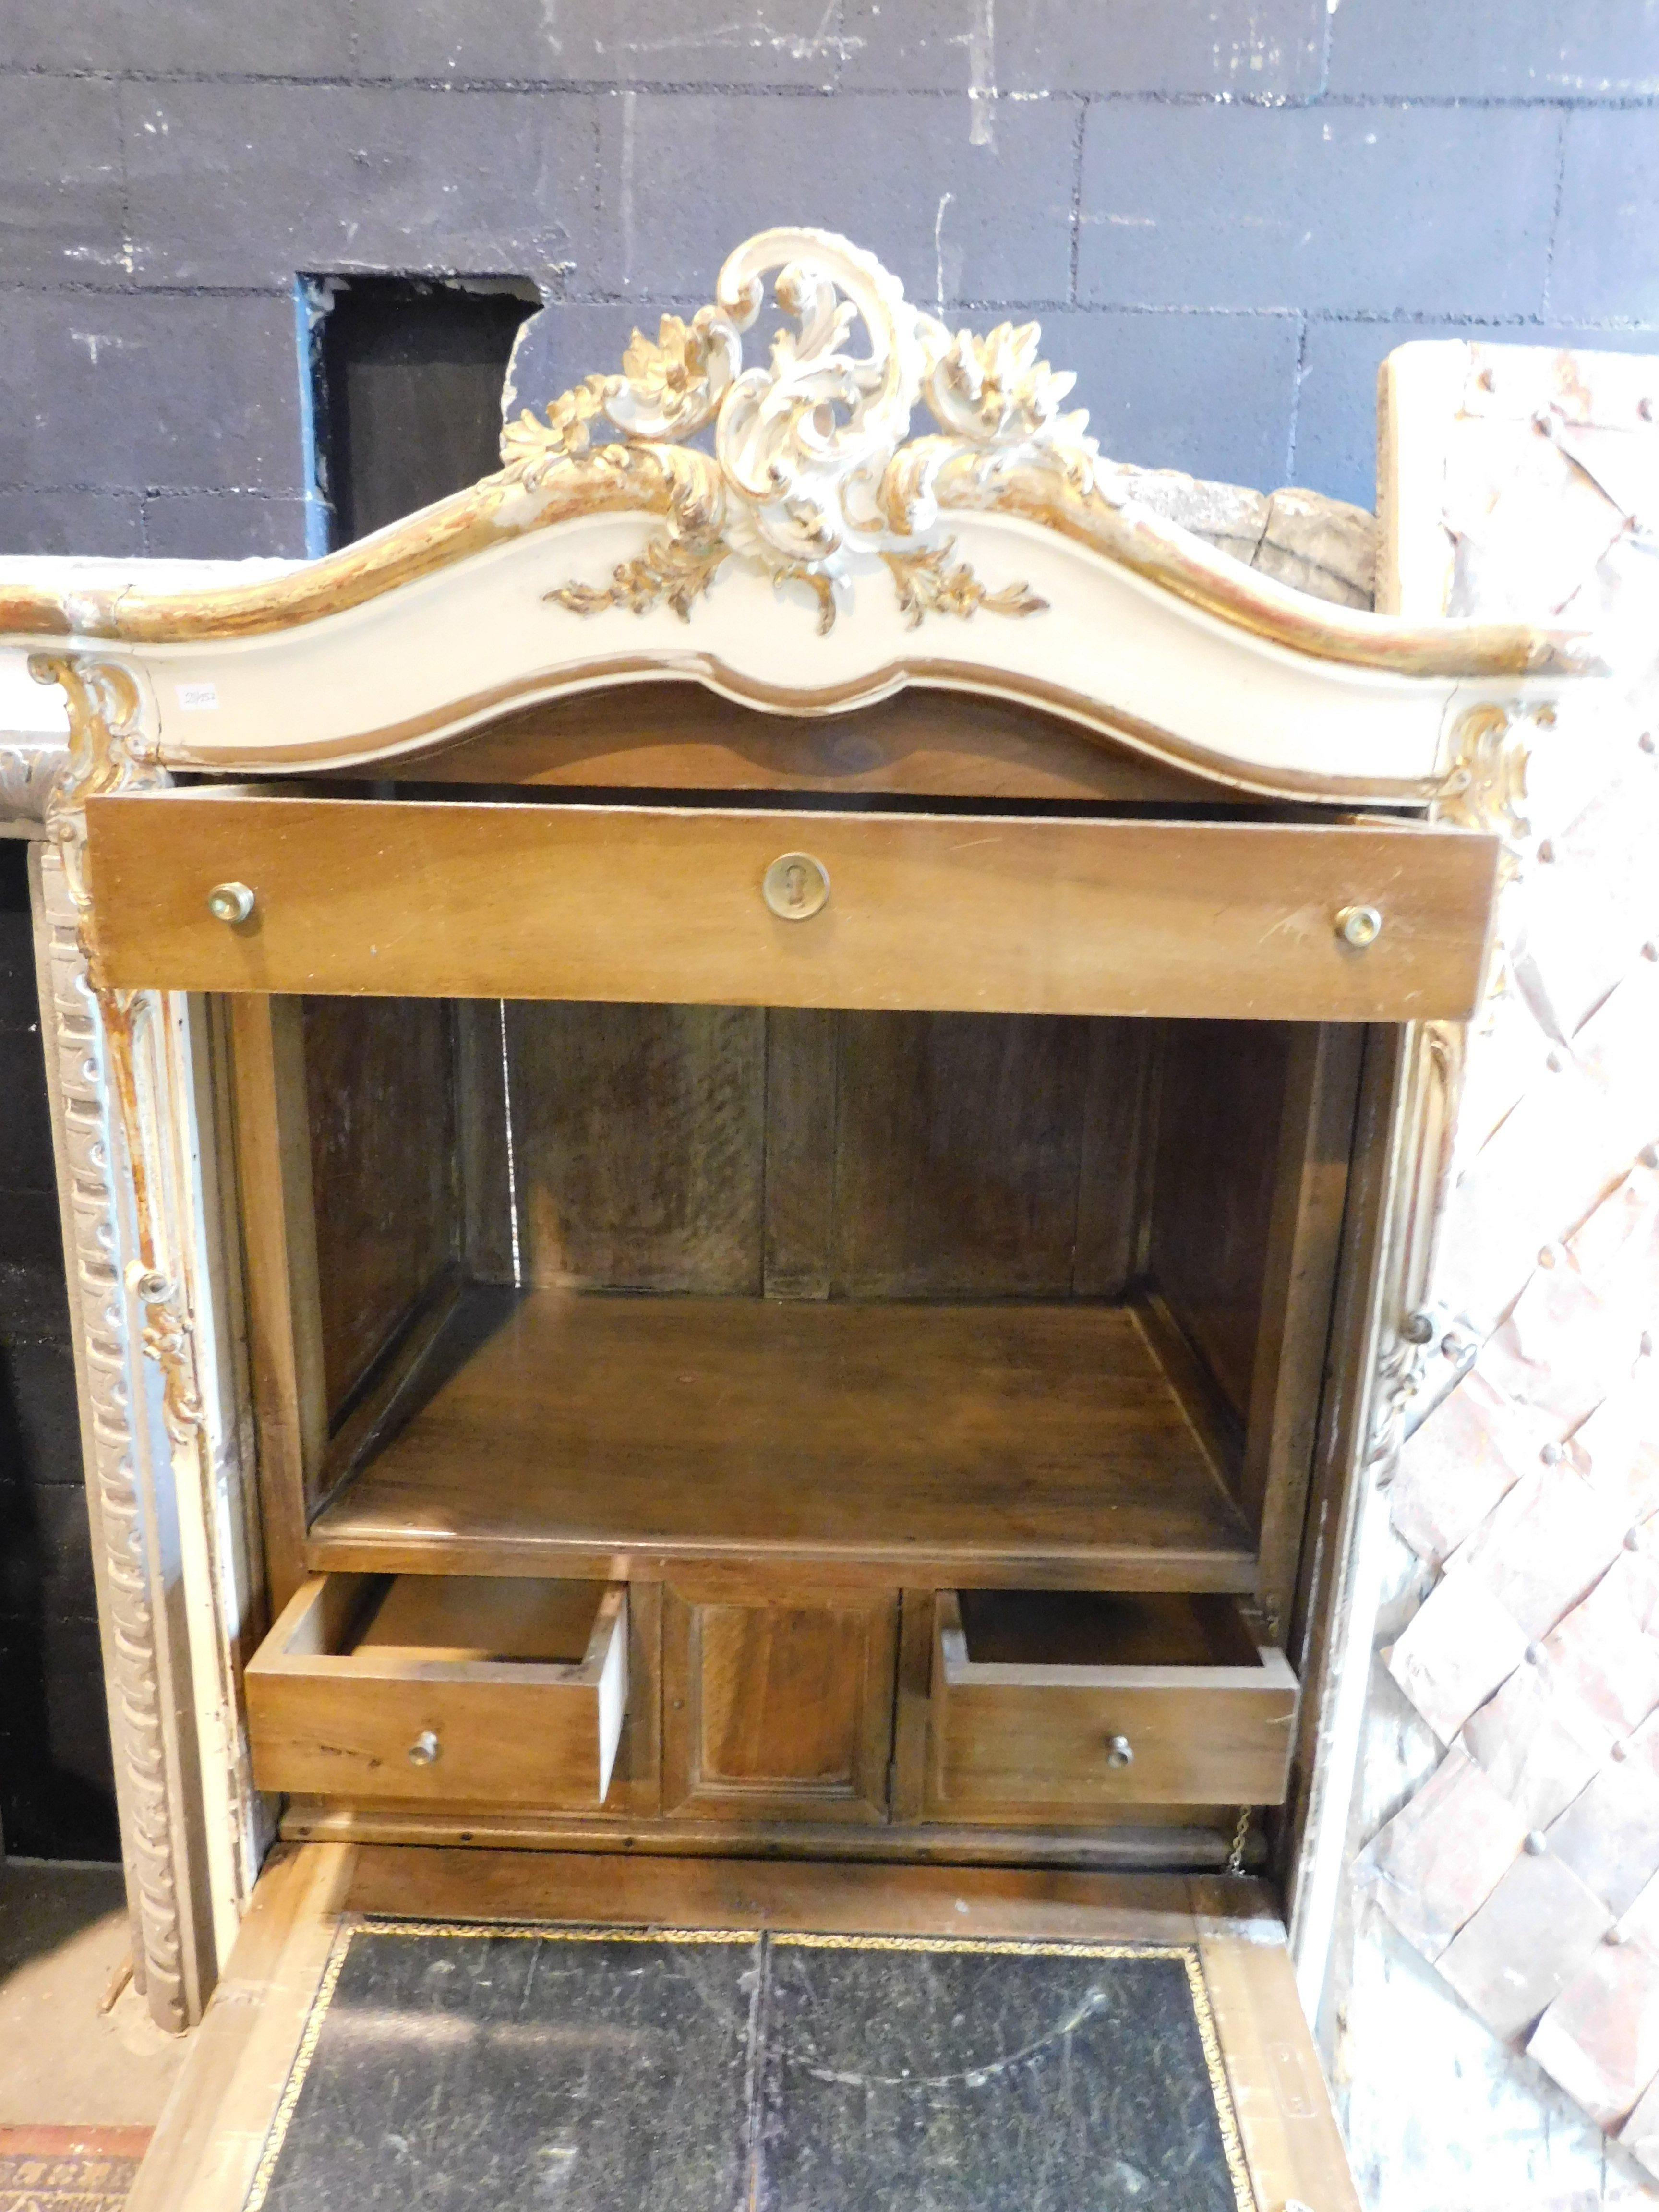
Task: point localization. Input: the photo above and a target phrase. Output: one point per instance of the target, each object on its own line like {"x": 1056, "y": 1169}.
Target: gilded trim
{"x": 813, "y": 473}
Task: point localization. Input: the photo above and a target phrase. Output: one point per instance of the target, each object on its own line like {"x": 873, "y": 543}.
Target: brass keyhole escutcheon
{"x": 796, "y": 887}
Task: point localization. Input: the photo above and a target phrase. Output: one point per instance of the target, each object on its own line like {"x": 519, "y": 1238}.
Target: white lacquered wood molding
{"x": 819, "y": 558}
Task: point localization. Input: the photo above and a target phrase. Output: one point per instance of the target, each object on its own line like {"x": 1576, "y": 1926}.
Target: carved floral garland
{"x": 813, "y": 474}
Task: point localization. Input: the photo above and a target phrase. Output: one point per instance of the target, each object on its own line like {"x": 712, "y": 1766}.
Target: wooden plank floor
{"x": 619, "y": 1435}
{"x": 208, "y": 2142}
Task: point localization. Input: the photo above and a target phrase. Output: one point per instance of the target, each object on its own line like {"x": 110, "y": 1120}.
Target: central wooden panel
{"x": 777, "y": 1711}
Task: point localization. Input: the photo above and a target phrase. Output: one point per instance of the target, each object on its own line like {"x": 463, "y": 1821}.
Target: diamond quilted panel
{"x": 1599, "y": 2040}
{"x": 1543, "y": 1547}
{"x": 1477, "y": 1446}
{"x": 1537, "y": 1743}
{"x": 1454, "y": 1651}
{"x": 1525, "y": 1943}
{"x": 1609, "y": 1835}
{"x": 1443, "y": 1854}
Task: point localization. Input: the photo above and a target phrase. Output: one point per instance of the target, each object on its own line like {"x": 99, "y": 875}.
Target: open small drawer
{"x": 453, "y": 1688}
{"x": 1060, "y": 1702}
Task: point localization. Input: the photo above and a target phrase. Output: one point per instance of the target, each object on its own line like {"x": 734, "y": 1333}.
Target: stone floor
{"x": 67, "y": 2056}
{"x": 65, "y": 2061}
{"x": 83, "y": 2073}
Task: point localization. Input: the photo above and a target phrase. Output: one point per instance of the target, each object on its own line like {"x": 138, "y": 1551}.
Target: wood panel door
{"x": 777, "y": 1710}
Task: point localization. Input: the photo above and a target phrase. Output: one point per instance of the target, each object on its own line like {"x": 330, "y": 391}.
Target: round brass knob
{"x": 796, "y": 887}
{"x": 423, "y": 1752}
{"x": 1119, "y": 1752}
{"x": 1360, "y": 925}
{"x": 230, "y": 901}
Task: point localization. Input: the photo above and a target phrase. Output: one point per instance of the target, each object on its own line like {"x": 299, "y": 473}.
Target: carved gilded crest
{"x": 810, "y": 472}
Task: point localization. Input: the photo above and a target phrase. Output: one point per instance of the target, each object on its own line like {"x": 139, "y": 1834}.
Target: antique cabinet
{"x": 824, "y": 1052}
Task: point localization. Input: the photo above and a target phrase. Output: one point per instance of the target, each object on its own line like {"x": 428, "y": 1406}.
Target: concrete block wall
{"x": 57, "y": 1787}
{"x": 1225, "y": 212}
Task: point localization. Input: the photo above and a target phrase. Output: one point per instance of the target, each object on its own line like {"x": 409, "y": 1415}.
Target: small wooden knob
{"x": 1119, "y": 1752}
{"x": 423, "y": 1752}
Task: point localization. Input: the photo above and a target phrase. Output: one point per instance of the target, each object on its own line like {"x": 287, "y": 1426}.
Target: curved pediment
{"x": 774, "y": 529}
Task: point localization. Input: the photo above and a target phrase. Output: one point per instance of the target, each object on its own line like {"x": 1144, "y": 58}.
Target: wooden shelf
{"x": 1011, "y": 1445}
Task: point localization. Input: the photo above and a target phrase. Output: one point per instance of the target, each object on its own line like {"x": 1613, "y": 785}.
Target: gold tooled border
{"x": 352, "y": 1925}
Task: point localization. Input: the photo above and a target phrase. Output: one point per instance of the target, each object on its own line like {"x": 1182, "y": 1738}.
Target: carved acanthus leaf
{"x": 812, "y": 477}
{"x": 931, "y": 583}
{"x": 531, "y": 449}
{"x": 995, "y": 390}
{"x": 670, "y": 569}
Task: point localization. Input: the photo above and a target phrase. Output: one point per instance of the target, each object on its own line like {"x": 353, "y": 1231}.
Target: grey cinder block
{"x": 1524, "y": 49}
{"x": 1249, "y": 48}
{"x": 224, "y": 525}
{"x": 1606, "y": 240}
{"x": 1367, "y": 208}
{"x": 108, "y": 524}
{"x": 961, "y": 203}
{"x": 788, "y": 43}
{"x": 140, "y": 389}
{"x": 1210, "y": 394}
{"x": 248, "y": 183}
{"x": 60, "y": 182}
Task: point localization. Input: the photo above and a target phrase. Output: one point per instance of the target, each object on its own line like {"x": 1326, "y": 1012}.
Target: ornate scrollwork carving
{"x": 75, "y": 1042}
{"x": 29, "y": 771}
{"x": 1426, "y": 1135}
{"x": 811, "y": 476}
{"x": 1485, "y": 786}
{"x": 108, "y": 752}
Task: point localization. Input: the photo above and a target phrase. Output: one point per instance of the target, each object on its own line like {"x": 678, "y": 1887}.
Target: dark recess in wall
{"x": 57, "y": 1787}
{"x": 409, "y": 398}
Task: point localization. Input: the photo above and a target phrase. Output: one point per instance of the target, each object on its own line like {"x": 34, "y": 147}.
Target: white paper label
{"x": 198, "y": 698}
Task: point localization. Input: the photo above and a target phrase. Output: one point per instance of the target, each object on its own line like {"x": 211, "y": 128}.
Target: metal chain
{"x": 1241, "y": 1837}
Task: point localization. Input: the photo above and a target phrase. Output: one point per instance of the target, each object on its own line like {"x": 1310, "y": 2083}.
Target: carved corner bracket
{"x": 1485, "y": 786}
{"x": 809, "y": 470}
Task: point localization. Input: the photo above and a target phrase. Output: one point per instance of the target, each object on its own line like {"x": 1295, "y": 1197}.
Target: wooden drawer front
{"x": 366, "y": 1688}
{"x": 777, "y": 1711}
{"x": 474, "y": 900}
{"x": 1013, "y": 1735}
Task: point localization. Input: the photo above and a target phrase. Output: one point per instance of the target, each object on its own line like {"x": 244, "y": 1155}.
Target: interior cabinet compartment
{"x": 777, "y": 1705}
{"x": 896, "y": 1298}
{"x": 985, "y": 1441}
{"x": 447, "y": 1689}
{"x": 1055, "y": 1704}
